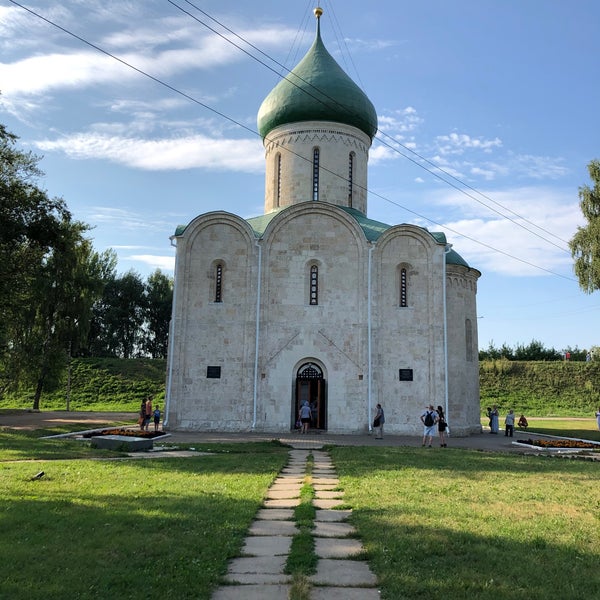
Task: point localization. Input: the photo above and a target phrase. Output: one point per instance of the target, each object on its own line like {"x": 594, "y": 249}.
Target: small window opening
{"x": 314, "y": 285}
{"x": 219, "y": 283}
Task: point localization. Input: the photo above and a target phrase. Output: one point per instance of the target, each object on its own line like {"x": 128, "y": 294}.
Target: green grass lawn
{"x": 159, "y": 528}
{"x": 435, "y": 524}
{"x": 464, "y": 524}
{"x": 577, "y": 427}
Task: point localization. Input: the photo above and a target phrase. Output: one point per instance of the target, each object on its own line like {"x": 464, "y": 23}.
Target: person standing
{"x": 304, "y": 414}
{"x": 148, "y": 414}
{"x": 509, "y": 423}
{"x": 598, "y": 418}
{"x": 378, "y": 422}
{"x": 442, "y": 426}
{"x": 142, "y": 415}
{"x": 429, "y": 420}
{"x": 494, "y": 420}
{"x": 156, "y": 418}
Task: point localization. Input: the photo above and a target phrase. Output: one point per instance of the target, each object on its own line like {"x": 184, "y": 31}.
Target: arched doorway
{"x": 310, "y": 387}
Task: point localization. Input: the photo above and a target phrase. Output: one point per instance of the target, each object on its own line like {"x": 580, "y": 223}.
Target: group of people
{"x": 434, "y": 421}
{"x": 509, "y": 421}
{"x": 147, "y": 414}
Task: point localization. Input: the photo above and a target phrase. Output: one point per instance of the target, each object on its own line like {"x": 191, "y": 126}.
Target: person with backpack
{"x": 378, "y": 422}
{"x": 442, "y": 426}
{"x": 429, "y": 419}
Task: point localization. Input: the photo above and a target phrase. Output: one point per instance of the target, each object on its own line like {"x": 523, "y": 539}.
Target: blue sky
{"x": 502, "y": 95}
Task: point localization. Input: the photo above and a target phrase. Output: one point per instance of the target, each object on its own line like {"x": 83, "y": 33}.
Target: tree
{"x": 585, "y": 244}
{"x": 59, "y": 307}
{"x": 159, "y": 302}
{"x": 118, "y": 318}
{"x": 30, "y": 227}
{"x": 50, "y": 275}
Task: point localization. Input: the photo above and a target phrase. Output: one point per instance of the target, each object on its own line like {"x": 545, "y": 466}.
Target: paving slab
{"x": 344, "y": 593}
{"x": 335, "y": 530}
{"x": 267, "y": 545}
{"x": 343, "y": 573}
{"x": 273, "y": 528}
{"x": 326, "y": 503}
{"x": 284, "y": 503}
{"x": 282, "y": 494}
{"x": 252, "y": 592}
{"x": 327, "y": 515}
{"x": 326, "y": 480}
{"x": 331, "y": 494}
{"x": 337, "y": 547}
{"x": 289, "y": 479}
{"x": 275, "y": 514}
{"x": 258, "y": 564}
{"x": 294, "y": 470}
{"x": 268, "y": 579}
{"x": 324, "y": 486}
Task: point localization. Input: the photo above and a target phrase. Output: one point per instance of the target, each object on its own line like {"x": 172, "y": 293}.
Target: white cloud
{"x": 536, "y": 231}
{"x": 155, "y": 261}
{"x": 457, "y": 143}
{"x": 195, "y": 151}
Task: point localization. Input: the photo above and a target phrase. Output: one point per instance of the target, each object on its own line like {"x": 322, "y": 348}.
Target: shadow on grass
{"x": 414, "y": 562}
{"x": 140, "y": 529}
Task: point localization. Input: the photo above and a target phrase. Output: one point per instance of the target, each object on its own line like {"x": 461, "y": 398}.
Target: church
{"x": 313, "y": 302}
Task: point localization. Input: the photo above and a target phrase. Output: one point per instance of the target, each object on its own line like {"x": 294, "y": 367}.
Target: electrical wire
{"x": 254, "y": 132}
{"x": 391, "y": 146}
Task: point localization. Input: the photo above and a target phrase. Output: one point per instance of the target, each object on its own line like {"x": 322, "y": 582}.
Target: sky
{"x": 145, "y": 115}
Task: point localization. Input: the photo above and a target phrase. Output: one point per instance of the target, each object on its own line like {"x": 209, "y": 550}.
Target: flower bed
{"x": 125, "y": 432}
{"x": 567, "y": 444}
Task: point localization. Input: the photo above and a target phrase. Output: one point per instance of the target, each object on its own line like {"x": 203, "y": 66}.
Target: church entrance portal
{"x": 310, "y": 387}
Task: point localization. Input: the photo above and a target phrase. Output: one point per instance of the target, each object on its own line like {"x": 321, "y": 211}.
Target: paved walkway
{"x": 259, "y": 573}
{"x": 20, "y": 419}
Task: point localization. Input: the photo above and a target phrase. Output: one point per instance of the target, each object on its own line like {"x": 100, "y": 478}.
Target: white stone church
{"x": 313, "y": 301}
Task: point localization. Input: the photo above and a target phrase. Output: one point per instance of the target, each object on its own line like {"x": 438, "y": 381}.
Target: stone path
{"x": 259, "y": 573}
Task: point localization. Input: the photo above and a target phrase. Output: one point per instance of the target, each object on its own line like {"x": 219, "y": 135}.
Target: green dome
{"x": 317, "y": 89}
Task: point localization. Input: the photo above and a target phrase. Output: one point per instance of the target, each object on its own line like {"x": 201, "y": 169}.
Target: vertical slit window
{"x": 219, "y": 283}
{"x": 314, "y": 285}
{"x": 469, "y": 340}
{"x": 278, "y": 181}
{"x": 403, "y": 288}
{"x": 315, "y": 187}
{"x": 350, "y": 178}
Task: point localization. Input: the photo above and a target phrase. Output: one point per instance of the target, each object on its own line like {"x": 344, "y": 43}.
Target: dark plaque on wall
{"x": 213, "y": 372}
{"x": 405, "y": 374}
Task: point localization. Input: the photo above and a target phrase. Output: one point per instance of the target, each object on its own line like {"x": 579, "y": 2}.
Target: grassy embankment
{"x": 540, "y": 390}
{"x": 101, "y": 384}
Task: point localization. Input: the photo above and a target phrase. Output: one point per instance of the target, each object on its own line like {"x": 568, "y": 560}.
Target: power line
{"x": 254, "y": 132}
{"x": 381, "y": 133}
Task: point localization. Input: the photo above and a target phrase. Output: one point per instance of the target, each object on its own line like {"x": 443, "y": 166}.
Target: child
{"x": 156, "y": 418}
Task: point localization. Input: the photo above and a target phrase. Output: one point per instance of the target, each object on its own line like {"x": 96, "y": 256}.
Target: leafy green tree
{"x": 159, "y": 302}
{"x": 118, "y": 318}
{"x": 59, "y": 306}
{"x": 30, "y": 229}
{"x": 50, "y": 275}
{"x": 585, "y": 244}
{"x": 535, "y": 350}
